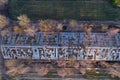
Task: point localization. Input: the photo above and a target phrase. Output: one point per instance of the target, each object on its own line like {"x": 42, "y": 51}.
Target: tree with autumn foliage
{"x": 4, "y": 21}
{"x": 48, "y": 25}
{"x": 18, "y": 29}
{"x": 73, "y": 23}
{"x": 24, "y": 21}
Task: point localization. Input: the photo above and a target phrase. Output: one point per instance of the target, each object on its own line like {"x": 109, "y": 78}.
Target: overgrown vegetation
{"x": 86, "y": 69}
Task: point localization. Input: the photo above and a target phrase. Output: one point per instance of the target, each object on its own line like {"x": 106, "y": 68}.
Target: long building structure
{"x": 61, "y": 45}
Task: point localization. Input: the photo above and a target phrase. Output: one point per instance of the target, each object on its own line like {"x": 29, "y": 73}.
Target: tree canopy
{"x": 3, "y": 21}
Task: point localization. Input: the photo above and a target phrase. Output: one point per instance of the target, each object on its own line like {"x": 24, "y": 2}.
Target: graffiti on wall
{"x": 62, "y": 39}
{"x": 63, "y": 53}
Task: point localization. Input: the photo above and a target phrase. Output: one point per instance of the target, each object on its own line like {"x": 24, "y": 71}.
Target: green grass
{"x": 64, "y": 9}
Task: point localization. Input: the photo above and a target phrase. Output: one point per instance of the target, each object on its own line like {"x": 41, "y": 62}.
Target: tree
{"x": 65, "y": 72}
{"x": 30, "y": 31}
{"x": 48, "y": 25}
{"x": 14, "y": 68}
{"x": 61, "y": 72}
{"x": 87, "y": 29}
{"x": 24, "y": 20}
{"x": 104, "y": 27}
{"x": 59, "y": 27}
{"x": 3, "y": 21}
{"x": 42, "y": 71}
{"x": 73, "y": 23}
{"x": 18, "y": 29}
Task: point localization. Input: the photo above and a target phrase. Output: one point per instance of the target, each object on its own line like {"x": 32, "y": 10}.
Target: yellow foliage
{"x": 24, "y": 20}
{"x": 47, "y": 25}
{"x": 3, "y": 21}
{"x": 18, "y": 29}
{"x": 73, "y": 23}
{"x": 104, "y": 27}
{"x": 71, "y": 61}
